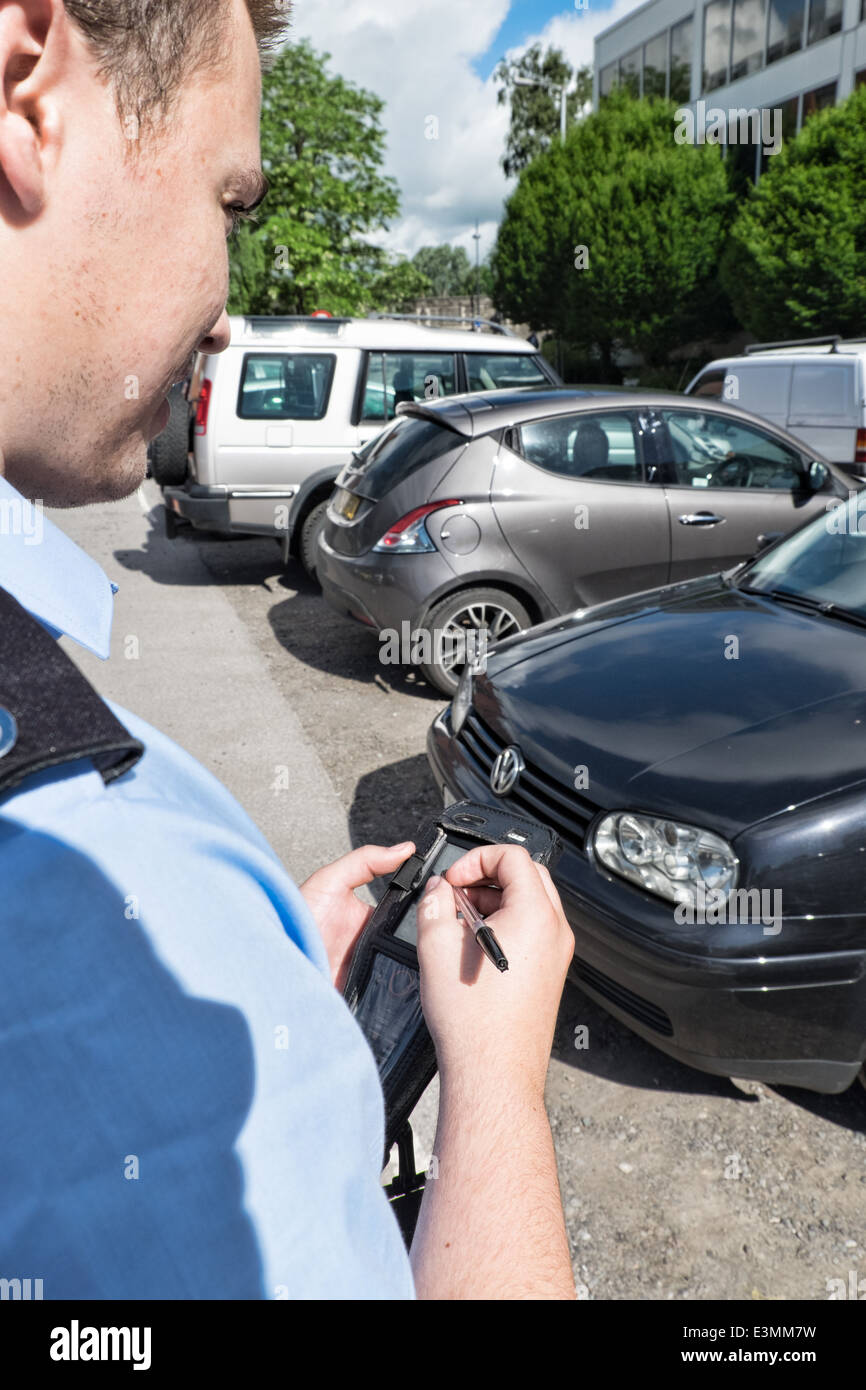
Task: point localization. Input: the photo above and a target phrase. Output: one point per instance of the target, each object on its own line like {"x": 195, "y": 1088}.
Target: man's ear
{"x": 34, "y": 42}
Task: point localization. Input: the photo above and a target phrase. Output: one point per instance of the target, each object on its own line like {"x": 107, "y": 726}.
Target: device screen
{"x": 450, "y": 852}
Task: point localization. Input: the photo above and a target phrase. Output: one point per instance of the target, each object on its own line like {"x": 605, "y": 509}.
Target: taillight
{"x": 860, "y": 451}
{"x": 202, "y": 407}
{"x": 409, "y": 533}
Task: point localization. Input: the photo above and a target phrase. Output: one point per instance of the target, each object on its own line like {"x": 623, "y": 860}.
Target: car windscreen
{"x": 397, "y": 452}
{"x": 824, "y": 563}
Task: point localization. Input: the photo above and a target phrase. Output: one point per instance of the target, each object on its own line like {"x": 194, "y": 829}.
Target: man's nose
{"x": 219, "y": 337}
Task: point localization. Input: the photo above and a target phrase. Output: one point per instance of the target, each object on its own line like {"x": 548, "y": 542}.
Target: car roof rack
{"x": 477, "y": 323}
{"x": 833, "y": 339}
{"x": 293, "y": 318}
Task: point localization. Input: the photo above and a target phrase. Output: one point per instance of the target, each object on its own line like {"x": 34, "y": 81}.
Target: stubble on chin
{"x": 107, "y": 475}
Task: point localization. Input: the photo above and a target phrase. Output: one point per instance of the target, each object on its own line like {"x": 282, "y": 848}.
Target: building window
{"x": 825, "y": 18}
{"x": 860, "y": 78}
{"x": 607, "y": 80}
{"x": 747, "y": 50}
{"x": 681, "y": 61}
{"x": 818, "y": 99}
{"x": 717, "y": 43}
{"x": 786, "y": 28}
{"x": 655, "y": 66}
{"x": 629, "y": 71}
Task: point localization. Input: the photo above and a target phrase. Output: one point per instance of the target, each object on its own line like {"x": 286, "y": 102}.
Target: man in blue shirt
{"x": 188, "y": 1109}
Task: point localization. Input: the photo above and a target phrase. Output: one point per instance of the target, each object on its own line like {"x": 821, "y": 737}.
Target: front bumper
{"x": 796, "y": 1020}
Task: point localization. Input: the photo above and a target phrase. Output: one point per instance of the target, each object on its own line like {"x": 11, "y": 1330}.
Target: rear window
{"x": 396, "y": 453}
{"x": 493, "y": 371}
{"x": 285, "y": 386}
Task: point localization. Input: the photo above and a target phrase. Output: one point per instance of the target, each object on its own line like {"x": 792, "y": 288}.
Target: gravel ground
{"x": 676, "y": 1185}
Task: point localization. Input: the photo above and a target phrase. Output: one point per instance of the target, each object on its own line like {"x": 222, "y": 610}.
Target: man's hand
{"x": 498, "y": 1025}
{"x": 491, "y": 1225}
{"x": 330, "y": 896}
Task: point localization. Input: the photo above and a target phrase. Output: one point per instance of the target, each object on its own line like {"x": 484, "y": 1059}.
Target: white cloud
{"x": 418, "y": 57}
{"x": 575, "y": 31}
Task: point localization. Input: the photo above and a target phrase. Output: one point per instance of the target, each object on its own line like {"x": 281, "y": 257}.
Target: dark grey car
{"x": 483, "y": 514}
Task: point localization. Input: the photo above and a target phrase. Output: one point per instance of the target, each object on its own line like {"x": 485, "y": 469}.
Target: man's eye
{"x": 240, "y": 214}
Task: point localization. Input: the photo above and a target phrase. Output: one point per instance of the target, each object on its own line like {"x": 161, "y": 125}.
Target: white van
{"x": 815, "y": 388}
{"x": 280, "y": 412}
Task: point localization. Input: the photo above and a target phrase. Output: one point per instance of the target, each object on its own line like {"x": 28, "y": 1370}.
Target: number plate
{"x": 346, "y": 504}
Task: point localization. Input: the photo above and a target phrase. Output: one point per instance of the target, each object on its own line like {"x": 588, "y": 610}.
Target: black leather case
{"x": 412, "y": 1073}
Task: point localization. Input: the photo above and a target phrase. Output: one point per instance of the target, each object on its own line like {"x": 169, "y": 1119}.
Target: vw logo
{"x": 506, "y": 770}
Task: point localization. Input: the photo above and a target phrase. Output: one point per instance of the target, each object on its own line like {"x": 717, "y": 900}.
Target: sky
{"x": 435, "y": 59}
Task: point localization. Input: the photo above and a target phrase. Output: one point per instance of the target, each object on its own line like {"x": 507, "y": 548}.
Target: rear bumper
{"x": 381, "y": 591}
{"x": 788, "y": 1020}
{"x": 262, "y": 513}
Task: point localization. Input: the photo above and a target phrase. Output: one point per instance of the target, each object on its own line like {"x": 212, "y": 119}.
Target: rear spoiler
{"x": 451, "y": 412}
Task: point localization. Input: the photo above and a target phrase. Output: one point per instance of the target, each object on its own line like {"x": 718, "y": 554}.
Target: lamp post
{"x": 476, "y": 237}
{"x": 560, "y": 88}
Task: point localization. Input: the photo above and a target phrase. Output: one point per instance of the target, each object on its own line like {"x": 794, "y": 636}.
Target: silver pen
{"x": 484, "y": 935}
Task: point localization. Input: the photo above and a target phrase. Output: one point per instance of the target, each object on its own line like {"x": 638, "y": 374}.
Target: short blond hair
{"x": 148, "y": 49}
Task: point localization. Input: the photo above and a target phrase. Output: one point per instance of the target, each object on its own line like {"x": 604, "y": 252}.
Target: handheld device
{"x": 383, "y": 985}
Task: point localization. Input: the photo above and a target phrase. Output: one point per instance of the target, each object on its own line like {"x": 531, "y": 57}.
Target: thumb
{"x": 439, "y": 934}
{"x": 371, "y": 861}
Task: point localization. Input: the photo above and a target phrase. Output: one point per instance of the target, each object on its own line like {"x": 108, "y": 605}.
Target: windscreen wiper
{"x": 825, "y": 607}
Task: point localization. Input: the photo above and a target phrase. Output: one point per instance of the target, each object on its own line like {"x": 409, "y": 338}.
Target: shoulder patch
{"x": 50, "y": 714}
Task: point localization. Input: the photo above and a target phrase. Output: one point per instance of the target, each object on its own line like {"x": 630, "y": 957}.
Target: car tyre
{"x": 471, "y": 610}
{"x": 311, "y": 528}
{"x": 168, "y": 452}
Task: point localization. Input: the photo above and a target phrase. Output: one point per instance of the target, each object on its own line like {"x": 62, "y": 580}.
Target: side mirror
{"x": 768, "y": 538}
{"x": 816, "y": 476}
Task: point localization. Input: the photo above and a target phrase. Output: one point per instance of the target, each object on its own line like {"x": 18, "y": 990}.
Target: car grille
{"x": 535, "y": 792}
{"x": 641, "y": 1009}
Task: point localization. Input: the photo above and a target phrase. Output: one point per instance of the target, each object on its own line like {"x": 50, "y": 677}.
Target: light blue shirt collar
{"x": 51, "y": 576}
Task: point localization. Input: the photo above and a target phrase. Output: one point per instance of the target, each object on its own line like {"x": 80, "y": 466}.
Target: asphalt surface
{"x": 676, "y": 1185}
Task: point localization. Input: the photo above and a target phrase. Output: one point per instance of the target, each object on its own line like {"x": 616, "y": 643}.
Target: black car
{"x": 701, "y": 750}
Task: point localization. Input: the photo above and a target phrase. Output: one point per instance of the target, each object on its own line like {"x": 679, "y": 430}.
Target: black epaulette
{"x": 49, "y": 713}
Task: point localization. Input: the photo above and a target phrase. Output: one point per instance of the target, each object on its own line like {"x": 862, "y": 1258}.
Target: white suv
{"x": 815, "y": 388}
{"x": 279, "y": 413}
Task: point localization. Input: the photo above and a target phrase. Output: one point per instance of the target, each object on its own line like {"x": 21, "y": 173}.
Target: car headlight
{"x": 665, "y": 857}
{"x": 462, "y": 702}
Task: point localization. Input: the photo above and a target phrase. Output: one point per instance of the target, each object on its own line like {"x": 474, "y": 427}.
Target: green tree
{"x": 795, "y": 265}
{"x": 446, "y": 267}
{"x": 322, "y": 151}
{"x": 535, "y": 110}
{"x": 615, "y": 236}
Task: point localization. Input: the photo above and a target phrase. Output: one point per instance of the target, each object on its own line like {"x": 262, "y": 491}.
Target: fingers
{"x": 485, "y": 900}
{"x": 364, "y": 864}
{"x": 436, "y": 908}
{"x": 507, "y": 865}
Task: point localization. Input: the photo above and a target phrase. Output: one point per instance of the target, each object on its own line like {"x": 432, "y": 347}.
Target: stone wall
{"x": 462, "y": 307}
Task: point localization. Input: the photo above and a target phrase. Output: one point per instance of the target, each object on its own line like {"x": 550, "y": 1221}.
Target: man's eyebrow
{"x": 256, "y": 182}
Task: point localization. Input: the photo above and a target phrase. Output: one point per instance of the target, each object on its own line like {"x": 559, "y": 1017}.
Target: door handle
{"x": 700, "y": 519}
